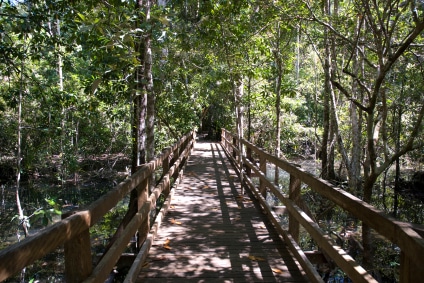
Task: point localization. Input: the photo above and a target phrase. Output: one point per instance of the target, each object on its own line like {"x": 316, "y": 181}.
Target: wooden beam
{"x": 78, "y": 261}
{"x": 15, "y": 257}
{"x": 106, "y": 264}
{"x": 294, "y": 196}
{"x": 400, "y": 233}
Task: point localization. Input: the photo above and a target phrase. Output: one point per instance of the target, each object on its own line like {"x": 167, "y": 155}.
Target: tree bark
{"x": 238, "y": 89}
{"x": 19, "y": 158}
{"x": 140, "y": 123}
{"x": 327, "y": 147}
{"x": 279, "y": 65}
{"x": 150, "y": 117}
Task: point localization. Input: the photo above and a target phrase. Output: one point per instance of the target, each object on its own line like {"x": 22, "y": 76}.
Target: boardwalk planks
{"x": 213, "y": 234}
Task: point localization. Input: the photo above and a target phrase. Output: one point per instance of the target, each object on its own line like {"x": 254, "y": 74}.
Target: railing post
{"x": 78, "y": 261}
{"x": 227, "y": 142}
{"x": 234, "y": 148}
{"x": 249, "y": 157}
{"x": 175, "y": 157}
{"x": 143, "y": 194}
{"x": 165, "y": 163}
{"x": 228, "y": 135}
{"x": 193, "y": 138}
{"x": 409, "y": 270}
{"x": 294, "y": 195}
{"x": 262, "y": 167}
{"x": 223, "y": 138}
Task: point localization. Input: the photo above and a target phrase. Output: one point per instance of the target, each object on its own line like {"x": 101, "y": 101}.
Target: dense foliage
{"x": 338, "y": 80}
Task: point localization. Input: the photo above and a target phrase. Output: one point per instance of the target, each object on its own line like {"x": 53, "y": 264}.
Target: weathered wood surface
{"x": 213, "y": 234}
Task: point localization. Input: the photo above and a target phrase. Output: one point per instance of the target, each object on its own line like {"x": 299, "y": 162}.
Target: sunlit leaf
{"x": 166, "y": 245}
{"x": 81, "y": 16}
{"x": 276, "y": 270}
{"x": 173, "y": 221}
{"x": 256, "y": 258}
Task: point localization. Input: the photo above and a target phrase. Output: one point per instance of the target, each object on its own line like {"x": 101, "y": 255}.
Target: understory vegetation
{"x": 89, "y": 90}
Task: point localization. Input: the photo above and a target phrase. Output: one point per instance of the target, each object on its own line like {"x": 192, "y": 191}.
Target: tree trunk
{"x": 63, "y": 153}
{"x": 398, "y": 131}
{"x": 354, "y": 167}
{"x": 367, "y": 242}
{"x": 327, "y": 147}
{"x": 139, "y": 123}
{"x": 279, "y": 65}
{"x": 150, "y": 117}
{"x": 249, "y": 105}
{"x": 238, "y": 95}
{"x": 19, "y": 158}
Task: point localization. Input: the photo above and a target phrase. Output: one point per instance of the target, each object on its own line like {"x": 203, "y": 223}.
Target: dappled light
{"x": 212, "y": 232}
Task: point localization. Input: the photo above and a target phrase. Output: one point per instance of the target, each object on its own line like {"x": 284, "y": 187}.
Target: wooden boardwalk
{"x": 213, "y": 234}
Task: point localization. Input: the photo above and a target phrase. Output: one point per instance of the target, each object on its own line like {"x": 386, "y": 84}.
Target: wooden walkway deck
{"x": 213, "y": 234}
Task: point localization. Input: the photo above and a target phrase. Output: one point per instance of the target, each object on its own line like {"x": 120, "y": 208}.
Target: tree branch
{"x": 409, "y": 146}
{"x": 407, "y": 42}
{"x": 346, "y": 93}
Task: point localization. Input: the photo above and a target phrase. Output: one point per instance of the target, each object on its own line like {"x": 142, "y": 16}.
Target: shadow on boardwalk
{"x": 214, "y": 234}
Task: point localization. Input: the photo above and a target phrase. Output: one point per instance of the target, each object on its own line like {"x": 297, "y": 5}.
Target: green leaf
{"x": 81, "y": 16}
{"x": 50, "y": 202}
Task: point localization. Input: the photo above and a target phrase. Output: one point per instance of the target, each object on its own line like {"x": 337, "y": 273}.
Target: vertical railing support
{"x": 193, "y": 137}
{"x": 143, "y": 194}
{"x": 223, "y": 138}
{"x": 294, "y": 195}
{"x": 78, "y": 262}
{"x": 235, "y": 146}
{"x": 227, "y": 136}
{"x": 409, "y": 270}
{"x": 165, "y": 168}
{"x": 248, "y": 157}
{"x": 262, "y": 167}
{"x": 165, "y": 162}
{"x": 175, "y": 157}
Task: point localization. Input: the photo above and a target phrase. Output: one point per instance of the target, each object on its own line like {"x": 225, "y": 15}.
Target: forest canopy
{"x": 338, "y": 83}
{"x": 333, "y": 80}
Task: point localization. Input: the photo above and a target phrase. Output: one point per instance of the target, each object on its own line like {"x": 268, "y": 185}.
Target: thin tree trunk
{"x": 150, "y": 117}
{"x": 279, "y": 65}
{"x": 238, "y": 95}
{"x": 249, "y": 106}
{"x": 63, "y": 152}
{"x": 19, "y": 159}
{"x": 397, "y": 146}
{"x": 138, "y": 127}
{"x": 354, "y": 167}
{"x": 327, "y": 147}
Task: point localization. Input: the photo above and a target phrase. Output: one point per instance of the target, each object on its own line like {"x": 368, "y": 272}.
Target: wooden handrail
{"x": 15, "y": 257}
{"x": 399, "y": 233}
